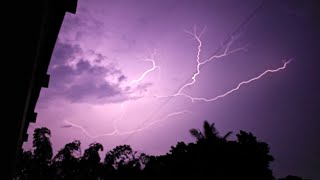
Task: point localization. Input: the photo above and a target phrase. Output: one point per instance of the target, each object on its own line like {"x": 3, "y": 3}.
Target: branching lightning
{"x": 213, "y": 57}
{"x": 154, "y": 66}
{"x": 201, "y": 61}
{"x": 117, "y": 132}
{"x": 239, "y": 85}
{"x": 225, "y": 53}
{"x": 180, "y": 92}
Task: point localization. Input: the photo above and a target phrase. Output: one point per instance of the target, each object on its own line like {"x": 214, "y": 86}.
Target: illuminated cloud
{"x": 88, "y": 76}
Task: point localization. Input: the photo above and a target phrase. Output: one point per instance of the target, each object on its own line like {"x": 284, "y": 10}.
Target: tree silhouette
{"x": 290, "y": 177}
{"x": 211, "y": 156}
{"x": 68, "y": 152}
{"x": 66, "y": 161}
{"x": 42, "y": 144}
{"x": 254, "y": 157}
{"x": 90, "y": 166}
{"x": 24, "y": 164}
{"x": 42, "y": 154}
{"x": 209, "y": 132}
{"x": 125, "y": 161}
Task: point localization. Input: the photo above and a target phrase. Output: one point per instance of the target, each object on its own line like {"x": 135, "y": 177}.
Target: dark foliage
{"x": 212, "y": 156}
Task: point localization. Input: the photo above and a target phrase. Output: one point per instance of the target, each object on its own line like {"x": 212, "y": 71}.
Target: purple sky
{"x": 106, "y": 45}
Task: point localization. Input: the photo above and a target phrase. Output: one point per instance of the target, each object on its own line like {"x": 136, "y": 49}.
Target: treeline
{"x": 212, "y": 157}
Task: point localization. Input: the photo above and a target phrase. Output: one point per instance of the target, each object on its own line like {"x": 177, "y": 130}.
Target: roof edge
{"x": 71, "y": 6}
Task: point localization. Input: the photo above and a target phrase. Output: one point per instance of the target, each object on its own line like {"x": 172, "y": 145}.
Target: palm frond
{"x": 225, "y": 137}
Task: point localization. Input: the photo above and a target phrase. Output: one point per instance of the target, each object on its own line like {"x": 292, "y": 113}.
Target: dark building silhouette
{"x": 35, "y": 24}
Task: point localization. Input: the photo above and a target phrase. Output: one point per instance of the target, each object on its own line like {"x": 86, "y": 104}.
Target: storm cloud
{"x": 88, "y": 76}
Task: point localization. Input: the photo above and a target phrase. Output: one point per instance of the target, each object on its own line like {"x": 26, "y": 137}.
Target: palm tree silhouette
{"x": 209, "y": 133}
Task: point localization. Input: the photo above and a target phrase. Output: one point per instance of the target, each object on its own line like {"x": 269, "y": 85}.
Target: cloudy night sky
{"x": 117, "y": 68}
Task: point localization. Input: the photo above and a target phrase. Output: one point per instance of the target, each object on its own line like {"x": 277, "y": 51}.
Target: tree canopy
{"x": 211, "y": 156}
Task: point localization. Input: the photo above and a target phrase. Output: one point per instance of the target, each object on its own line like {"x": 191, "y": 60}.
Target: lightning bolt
{"x": 239, "y": 85}
{"x": 163, "y": 119}
{"x": 213, "y": 57}
{"x": 81, "y": 128}
{"x": 225, "y": 53}
{"x": 200, "y": 63}
{"x": 154, "y": 66}
{"x": 114, "y": 123}
{"x": 117, "y": 132}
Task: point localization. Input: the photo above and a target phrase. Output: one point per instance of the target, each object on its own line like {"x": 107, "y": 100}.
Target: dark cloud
{"x": 85, "y": 80}
{"x": 98, "y": 58}
{"x": 64, "y": 51}
{"x": 142, "y": 88}
{"x": 79, "y": 92}
{"x": 66, "y": 126}
{"x": 121, "y": 78}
